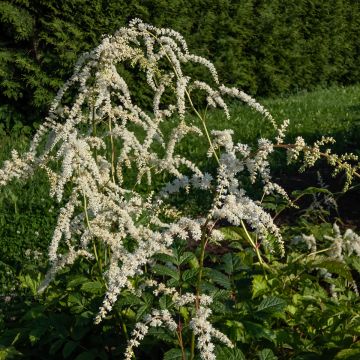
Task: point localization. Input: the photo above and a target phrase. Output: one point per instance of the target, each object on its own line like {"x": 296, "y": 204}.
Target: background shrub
{"x": 266, "y": 48}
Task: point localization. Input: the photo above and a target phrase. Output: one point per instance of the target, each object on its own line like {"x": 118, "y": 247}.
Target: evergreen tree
{"x": 264, "y": 47}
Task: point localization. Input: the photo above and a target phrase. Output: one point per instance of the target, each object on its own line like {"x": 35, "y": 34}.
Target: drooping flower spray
{"x": 96, "y": 131}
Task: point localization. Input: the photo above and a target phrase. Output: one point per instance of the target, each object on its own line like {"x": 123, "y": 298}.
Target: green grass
{"x": 334, "y": 111}
{"x": 27, "y": 215}
{"x": 325, "y": 112}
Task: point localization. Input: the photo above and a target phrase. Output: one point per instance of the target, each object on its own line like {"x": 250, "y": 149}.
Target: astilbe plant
{"x": 95, "y": 132}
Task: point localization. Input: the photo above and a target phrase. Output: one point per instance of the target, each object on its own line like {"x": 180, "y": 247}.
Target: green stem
{"x": 112, "y": 153}
{"x": 191, "y": 103}
{"x": 97, "y": 258}
{"x": 204, "y": 126}
{"x": 201, "y": 265}
{"x": 255, "y": 246}
{"x": 192, "y": 347}
{"x": 93, "y": 122}
{"x": 123, "y": 326}
{"x": 181, "y": 343}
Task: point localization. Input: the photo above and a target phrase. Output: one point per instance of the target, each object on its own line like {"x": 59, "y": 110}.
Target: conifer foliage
{"x": 264, "y": 47}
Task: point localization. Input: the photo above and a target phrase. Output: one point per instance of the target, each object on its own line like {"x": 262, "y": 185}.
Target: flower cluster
{"x": 343, "y": 244}
{"x": 347, "y": 163}
{"x": 88, "y": 145}
{"x": 200, "y": 324}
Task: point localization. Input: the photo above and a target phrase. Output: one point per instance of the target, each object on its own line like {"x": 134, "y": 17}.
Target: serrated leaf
{"x": 148, "y": 298}
{"x": 231, "y": 233}
{"x": 129, "y": 299}
{"x": 189, "y": 275}
{"x": 236, "y": 245}
{"x": 142, "y": 311}
{"x": 219, "y": 278}
{"x": 75, "y": 298}
{"x": 92, "y": 287}
{"x": 78, "y": 280}
{"x": 172, "y": 283}
{"x": 266, "y": 354}
{"x": 165, "y": 258}
{"x": 348, "y": 354}
{"x": 194, "y": 263}
{"x": 186, "y": 257}
{"x": 258, "y": 331}
{"x": 259, "y": 286}
{"x": 271, "y": 304}
{"x": 221, "y": 294}
{"x": 311, "y": 190}
{"x": 270, "y": 205}
{"x": 356, "y": 264}
{"x": 174, "y": 354}
{"x": 218, "y": 307}
{"x": 166, "y": 271}
{"x": 231, "y": 263}
{"x": 225, "y": 353}
{"x": 161, "y": 334}
{"x": 165, "y": 302}
{"x": 69, "y": 348}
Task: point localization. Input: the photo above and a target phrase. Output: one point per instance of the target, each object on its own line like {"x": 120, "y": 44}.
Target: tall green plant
{"x": 95, "y": 132}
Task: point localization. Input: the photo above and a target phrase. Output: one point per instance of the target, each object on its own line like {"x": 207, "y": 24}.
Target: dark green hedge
{"x": 265, "y": 47}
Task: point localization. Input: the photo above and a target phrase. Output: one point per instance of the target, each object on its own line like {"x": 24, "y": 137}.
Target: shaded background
{"x": 265, "y": 47}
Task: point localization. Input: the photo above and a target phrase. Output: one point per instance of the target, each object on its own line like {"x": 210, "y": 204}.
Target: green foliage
{"x": 224, "y": 353}
{"x": 283, "y": 312}
{"x": 60, "y": 324}
{"x": 174, "y": 354}
{"x": 18, "y": 20}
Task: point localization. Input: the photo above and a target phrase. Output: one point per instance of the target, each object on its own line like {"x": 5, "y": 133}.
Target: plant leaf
{"x": 271, "y": 304}
{"x": 186, "y": 257}
{"x": 69, "y": 348}
{"x": 259, "y": 286}
{"x": 225, "y": 353}
{"x": 92, "y": 287}
{"x": 166, "y": 271}
{"x": 87, "y": 355}
{"x": 174, "y": 354}
{"x": 190, "y": 275}
{"x": 231, "y": 233}
{"x": 266, "y": 354}
{"x": 219, "y": 278}
{"x": 348, "y": 354}
{"x": 311, "y": 190}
